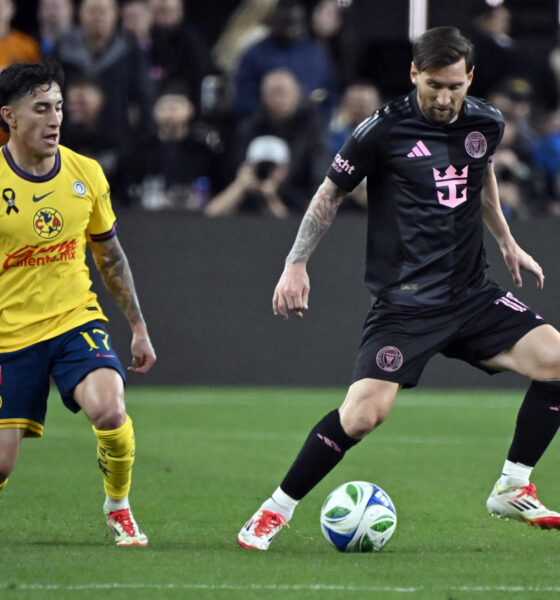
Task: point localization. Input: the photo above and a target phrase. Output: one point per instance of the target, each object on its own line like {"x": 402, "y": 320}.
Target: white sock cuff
{"x": 516, "y": 472}
{"x": 281, "y": 503}
{"x": 280, "y": 497}
{"x": 112, "y": 505}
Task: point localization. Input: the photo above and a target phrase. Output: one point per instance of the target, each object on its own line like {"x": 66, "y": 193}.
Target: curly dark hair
{"x": 20, "y": 79}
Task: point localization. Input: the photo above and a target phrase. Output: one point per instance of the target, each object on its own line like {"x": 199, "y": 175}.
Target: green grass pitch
{"x": 206, "y": 458}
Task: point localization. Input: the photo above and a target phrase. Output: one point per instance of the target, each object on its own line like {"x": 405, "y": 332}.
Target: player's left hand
{"x": 143, "y": 355}
{"x": 517, "y": 260}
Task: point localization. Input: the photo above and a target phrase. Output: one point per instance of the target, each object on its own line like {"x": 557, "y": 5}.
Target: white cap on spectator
{"x": 268, "y": 148}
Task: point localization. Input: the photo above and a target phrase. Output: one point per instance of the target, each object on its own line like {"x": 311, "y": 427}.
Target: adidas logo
{"x": 419, "y": 150}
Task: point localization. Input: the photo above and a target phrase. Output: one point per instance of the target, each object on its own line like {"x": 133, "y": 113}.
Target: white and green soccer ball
{"x": 358, "y": 517}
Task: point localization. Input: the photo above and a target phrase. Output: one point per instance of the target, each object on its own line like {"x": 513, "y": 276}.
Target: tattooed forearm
{"x": 112, "y": 264}
{"x": 316, "y": 221}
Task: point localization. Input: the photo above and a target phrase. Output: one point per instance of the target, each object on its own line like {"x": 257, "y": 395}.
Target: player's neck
{"x": 31, "y": 163}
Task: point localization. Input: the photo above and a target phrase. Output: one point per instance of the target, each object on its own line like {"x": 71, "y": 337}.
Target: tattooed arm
{"x": 112, "y": 264}
{"x": 292, "y": 291}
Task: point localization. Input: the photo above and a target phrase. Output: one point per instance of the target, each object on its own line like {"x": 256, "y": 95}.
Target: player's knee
{"x": 548, "y": 367}
{"x": 112, "y": 416}
{"x": 6, "y": 468}
{"x": 364, "y": 424}
{"x": 361, "y": 421}
{"x": 365, "y": 409}
{"x": 9, "y": 446}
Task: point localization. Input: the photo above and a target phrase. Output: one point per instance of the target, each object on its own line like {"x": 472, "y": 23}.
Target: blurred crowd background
{"x": 218, "y": 107}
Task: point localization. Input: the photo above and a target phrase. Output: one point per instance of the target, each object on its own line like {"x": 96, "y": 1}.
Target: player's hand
{"x": 143, "y": 355}
{"x": 517, "y": 260}
{"x": 292, "y": 292}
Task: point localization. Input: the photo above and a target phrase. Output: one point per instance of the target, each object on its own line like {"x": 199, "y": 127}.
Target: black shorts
{"x": 398, "y": 342}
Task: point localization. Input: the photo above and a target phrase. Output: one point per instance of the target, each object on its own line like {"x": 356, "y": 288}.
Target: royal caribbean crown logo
{"x": 453, "y": 185}
{"x": 48, "y": 223}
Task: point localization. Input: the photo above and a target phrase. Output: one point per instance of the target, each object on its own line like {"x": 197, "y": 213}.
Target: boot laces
{"x": 268, "y": 521}
{"x": 529, "y": 490}
{"x": 124, "y": 518}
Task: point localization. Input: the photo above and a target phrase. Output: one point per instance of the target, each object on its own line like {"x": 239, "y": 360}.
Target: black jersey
{"x": 424, "y": 183}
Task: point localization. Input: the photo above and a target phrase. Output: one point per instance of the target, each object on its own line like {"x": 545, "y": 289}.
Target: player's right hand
{"x": 292, "y": 291}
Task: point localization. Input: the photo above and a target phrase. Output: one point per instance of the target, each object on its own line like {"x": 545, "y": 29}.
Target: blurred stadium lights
{"x": 417, "y": 18}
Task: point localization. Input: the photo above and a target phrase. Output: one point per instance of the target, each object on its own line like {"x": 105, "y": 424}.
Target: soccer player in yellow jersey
{"x": 54, "y": 202}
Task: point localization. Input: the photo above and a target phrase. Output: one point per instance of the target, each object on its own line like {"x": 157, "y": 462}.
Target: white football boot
{"x": 125, "y": 529}
{"x": 261, "y": 529}
{"x": 522, "y": 504}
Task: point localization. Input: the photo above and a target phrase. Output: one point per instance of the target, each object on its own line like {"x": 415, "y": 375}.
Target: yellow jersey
{"x": 45, "y": 224}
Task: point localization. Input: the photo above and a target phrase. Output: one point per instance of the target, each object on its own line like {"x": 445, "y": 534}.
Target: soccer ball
{"x": 358, "y": 517}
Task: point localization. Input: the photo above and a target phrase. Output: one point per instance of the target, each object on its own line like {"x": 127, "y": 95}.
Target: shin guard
{"x": 115, "y": 456}
{"x": 537, "y": 422}
{"x": 323, "y": 449}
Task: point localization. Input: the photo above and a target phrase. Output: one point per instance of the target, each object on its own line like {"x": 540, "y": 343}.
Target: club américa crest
{"x": 48, "y": 223}
{"x": 389, "y": 359}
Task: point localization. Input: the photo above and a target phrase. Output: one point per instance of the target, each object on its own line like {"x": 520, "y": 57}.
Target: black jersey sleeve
{"x": 358, "y": 156}
{"x": 491, "y": 117}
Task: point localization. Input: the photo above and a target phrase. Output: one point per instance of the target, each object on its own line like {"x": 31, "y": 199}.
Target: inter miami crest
{"x": 389, "y": 359}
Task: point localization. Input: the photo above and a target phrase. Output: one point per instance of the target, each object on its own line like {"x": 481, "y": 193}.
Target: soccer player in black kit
{"x": 428, "y": 159}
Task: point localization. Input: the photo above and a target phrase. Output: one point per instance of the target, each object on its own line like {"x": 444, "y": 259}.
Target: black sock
{"x": 537, "y": 422}
{"x": 322, "y": 451}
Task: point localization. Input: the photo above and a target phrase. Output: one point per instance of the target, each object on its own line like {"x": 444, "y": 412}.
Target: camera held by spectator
{"x": 257, "y": 185}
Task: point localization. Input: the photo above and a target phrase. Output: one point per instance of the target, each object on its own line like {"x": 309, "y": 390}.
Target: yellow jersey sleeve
{"x": 102, "y": 224}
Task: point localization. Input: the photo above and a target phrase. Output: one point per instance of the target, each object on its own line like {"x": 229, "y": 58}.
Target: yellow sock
{"x": 115, "y": 456}
{"x": 3, "y": 484}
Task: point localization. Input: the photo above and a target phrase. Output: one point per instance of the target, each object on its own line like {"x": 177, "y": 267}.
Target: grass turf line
{"x": 206, "y": 457}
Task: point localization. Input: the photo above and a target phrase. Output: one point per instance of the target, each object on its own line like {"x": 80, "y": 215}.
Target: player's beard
{"x": 441, "y": 118}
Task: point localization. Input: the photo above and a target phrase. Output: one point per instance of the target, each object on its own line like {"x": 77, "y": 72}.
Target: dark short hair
{"x": 20, "y": 79}
{"x": 440, "y": 47}
{"x": 176, "y": 87}
{"x": 84, "y": 80}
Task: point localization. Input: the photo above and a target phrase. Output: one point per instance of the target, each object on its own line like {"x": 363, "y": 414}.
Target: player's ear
{"x": 8, "y": 115}
{"x": 413, "y": 73}
{"x": 470, "y": 77}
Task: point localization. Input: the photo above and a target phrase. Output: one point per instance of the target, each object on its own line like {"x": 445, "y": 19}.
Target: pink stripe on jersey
{"x": 422, "y": 147}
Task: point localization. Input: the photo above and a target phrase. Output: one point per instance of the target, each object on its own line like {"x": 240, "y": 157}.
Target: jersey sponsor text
{"x": 37, "y": 256}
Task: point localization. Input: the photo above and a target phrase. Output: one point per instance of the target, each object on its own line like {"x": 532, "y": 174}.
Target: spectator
{"x": 55, "y": 17}
{"x": 247, "y": 25}
{"x": 82, "y": 127}
{"x": 359, "y": 101}
{"x": 513, "y": 175}
{"x": 553, "y": 63}
{"x": 15, "y": 46}
{"x": 327, "y": 29}
{"x": 96, "y": 48}
{"x": 287, "y": 46}
{"x": 514, "y": 97}
{"x": 501, "y": 57}
{"x": 546, "y": 158}
{"x": 257, "y": 186}
{"x": 178, "y": 167}
{"x": 137, "y": 20}
{"x": 287, "y": 114}
{"x": 178, "y": 51}
{"x": 497, "y": 54}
